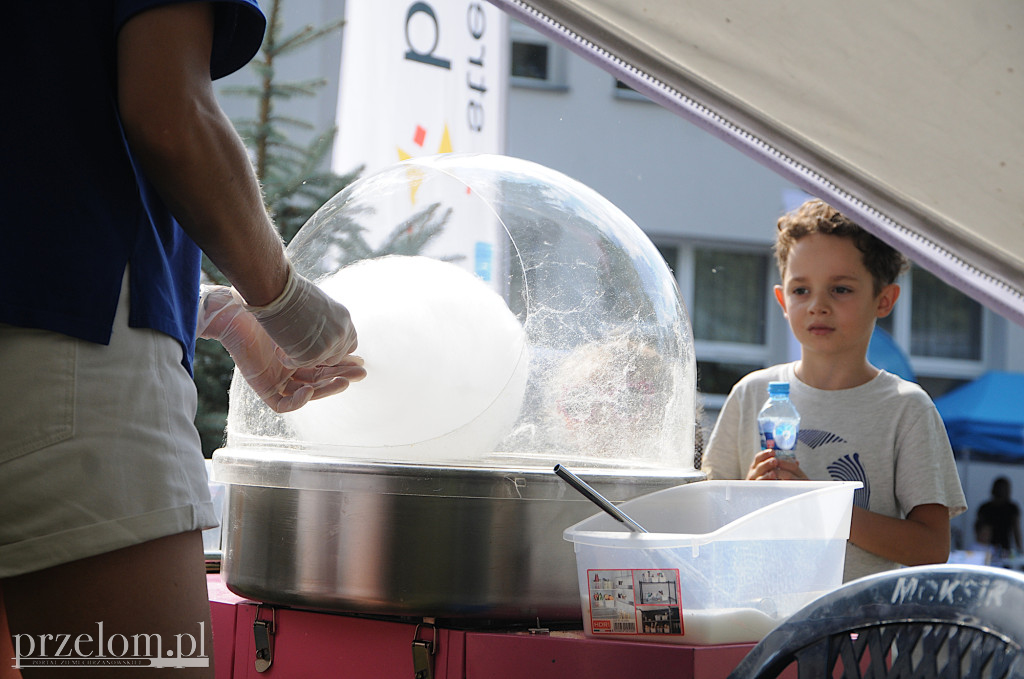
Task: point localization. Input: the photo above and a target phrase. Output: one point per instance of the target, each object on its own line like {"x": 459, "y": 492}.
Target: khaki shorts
{"x": 98, "y": 449}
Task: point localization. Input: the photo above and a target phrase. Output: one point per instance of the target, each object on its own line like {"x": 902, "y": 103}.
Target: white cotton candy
{"x": 446, "y": 364}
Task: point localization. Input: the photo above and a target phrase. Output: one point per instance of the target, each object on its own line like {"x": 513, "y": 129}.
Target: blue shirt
{"x": 76, "y": 207}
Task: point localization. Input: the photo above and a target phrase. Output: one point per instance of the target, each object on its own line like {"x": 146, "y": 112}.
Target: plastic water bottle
{"x": 779, "y": 422}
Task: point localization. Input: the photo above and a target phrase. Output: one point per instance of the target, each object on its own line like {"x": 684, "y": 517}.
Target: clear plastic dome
{"x": 509, "y": 316}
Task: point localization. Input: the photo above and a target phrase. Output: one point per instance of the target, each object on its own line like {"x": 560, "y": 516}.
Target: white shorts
{"x": 98, "y": 449}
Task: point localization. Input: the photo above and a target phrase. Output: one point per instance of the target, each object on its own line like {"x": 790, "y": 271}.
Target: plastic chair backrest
{"x": 942, "y": 621}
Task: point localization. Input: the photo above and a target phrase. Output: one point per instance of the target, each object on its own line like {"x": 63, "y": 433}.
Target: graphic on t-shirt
{"x": 813, "y": 438}
{"x": 845, "y": 468}
{"x": 849, "y": 468}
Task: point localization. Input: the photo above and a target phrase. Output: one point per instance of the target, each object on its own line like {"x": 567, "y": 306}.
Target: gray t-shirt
{"x": 886, "y": 434}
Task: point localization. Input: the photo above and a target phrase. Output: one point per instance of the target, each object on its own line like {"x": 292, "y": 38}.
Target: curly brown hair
{"x": 883, "y": 262}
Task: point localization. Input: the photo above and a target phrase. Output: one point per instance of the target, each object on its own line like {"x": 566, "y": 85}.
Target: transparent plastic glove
{"x": 308, "y": 325}
{"x": 258, "y": 358}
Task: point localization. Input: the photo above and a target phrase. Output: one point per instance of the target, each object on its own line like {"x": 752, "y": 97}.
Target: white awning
{"x": 908, "y": 116}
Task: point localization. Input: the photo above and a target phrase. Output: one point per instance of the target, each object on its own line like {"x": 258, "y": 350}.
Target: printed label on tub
{"x": 635, "y": 601}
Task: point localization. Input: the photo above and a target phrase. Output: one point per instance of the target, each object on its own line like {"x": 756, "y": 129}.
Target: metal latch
{"x": 263, "y": 632}
{"x": 538, "y": 629}
{"x": 423, "y": 653}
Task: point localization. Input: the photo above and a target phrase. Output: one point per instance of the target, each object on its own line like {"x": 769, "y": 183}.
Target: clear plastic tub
{"x": 722, "y": 562}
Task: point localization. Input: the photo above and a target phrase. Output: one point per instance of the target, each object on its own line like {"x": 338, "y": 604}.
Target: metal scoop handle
{"x": 598, "y": 499}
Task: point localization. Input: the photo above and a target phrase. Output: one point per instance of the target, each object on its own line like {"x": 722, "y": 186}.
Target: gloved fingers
{"x": 319, "y": 353}
{"x": 281, "y": 403}
{"x": 331, "y": 360}
{"x": 339, "y": 358}
{"x": 284, "y": 389}
{"x": 337, "y": 361}
{"x": 319, "y": 378}
{"x": 318, "y": 374}
{"x": 281, "y": 393}
{"x": 352, "y": 373}
{"x": 215, "y": 311}
{"x": 307, "y": 324}
{"x": 335, "y": 386}
{"x": 293, "y": 395}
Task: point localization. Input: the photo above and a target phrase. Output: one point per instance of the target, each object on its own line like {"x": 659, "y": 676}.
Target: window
{"x": 536, "y": 61}
{"x": 719, "y": 377}
{"x": 729, "y": 296}
{"x": 942, "y": 329}
{"x": 726, "y": 293}
{"x": 624, "y": 91}
{"x": 944, "y": 323}
{"x": 530, "y": 60}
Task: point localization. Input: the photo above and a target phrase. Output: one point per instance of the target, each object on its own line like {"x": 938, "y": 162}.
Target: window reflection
{"x": 728, "y": 296}
{"x": 726, "y": 302}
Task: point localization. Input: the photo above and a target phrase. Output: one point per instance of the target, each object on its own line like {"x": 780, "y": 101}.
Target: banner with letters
{"x": 420, "y": 78}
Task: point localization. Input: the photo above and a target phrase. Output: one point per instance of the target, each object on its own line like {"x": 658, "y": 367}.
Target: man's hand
{"x": 310, "y": 327}
{"x": 259, "y": 359}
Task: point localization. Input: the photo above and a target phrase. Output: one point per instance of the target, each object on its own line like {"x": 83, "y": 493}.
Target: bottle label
{"x": 778, "y": 436}
{"x": 785, "y": 435}
{"x": 767, "y": 434}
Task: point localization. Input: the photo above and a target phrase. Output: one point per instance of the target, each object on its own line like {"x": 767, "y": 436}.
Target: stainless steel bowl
{"x": 406, "y": 540}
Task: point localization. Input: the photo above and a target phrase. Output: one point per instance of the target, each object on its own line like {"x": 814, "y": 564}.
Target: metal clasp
{"x": 538, "y": 629}
{"x": 263, "y": 632}
{"x": 423, "y": 653}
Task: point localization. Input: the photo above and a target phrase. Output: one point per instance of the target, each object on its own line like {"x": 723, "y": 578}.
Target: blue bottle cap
{"x": 778, "y": 388}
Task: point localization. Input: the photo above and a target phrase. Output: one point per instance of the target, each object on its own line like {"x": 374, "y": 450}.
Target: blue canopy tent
{"x": 984, "y": 420}
{"x": 884, "y": 353}
{"x": 987, "y": 415}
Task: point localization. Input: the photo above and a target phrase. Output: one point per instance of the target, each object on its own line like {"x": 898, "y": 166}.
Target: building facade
{"x": 709, "y": 209}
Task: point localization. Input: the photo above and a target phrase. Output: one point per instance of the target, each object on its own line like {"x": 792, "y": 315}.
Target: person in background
{"x": 858, "y": 423}
{"x": 118, "y": 167}
{"x": 999, "y": 518}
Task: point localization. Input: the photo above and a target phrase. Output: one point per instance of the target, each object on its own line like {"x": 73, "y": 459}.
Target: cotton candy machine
{"x": 510, "y": 319}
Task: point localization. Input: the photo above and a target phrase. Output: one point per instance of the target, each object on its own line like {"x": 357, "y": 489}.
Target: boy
{"x": 858, "y": 423}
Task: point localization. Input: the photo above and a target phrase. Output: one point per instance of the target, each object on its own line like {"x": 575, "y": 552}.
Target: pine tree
{"x": 294, "y": 182}
{"x": 295, "y": 185}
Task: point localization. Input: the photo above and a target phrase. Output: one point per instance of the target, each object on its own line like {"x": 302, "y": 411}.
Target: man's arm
{"x": 191, "y": 153}
{"x": 921, "y": 538}
{"x": 189, "y": 149}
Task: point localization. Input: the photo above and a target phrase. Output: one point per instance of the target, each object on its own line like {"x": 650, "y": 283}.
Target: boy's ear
{"x": 887, "y": 299}
{"x": 780, "y": 297}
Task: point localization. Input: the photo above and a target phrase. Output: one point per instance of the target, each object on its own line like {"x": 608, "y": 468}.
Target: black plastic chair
{"x": 942, "y": 621}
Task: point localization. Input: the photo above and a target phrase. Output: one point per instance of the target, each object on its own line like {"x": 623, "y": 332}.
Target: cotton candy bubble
{"x": 445, "y": 358}
{"x": 509, "y": 317}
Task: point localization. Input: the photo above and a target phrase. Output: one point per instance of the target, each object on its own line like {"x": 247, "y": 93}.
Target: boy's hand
{"x": 767, "y": 467}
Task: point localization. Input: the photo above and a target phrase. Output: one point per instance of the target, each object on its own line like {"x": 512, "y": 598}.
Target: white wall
{"x": 670, "y": 177}
{"x": 1013, "y": 349}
